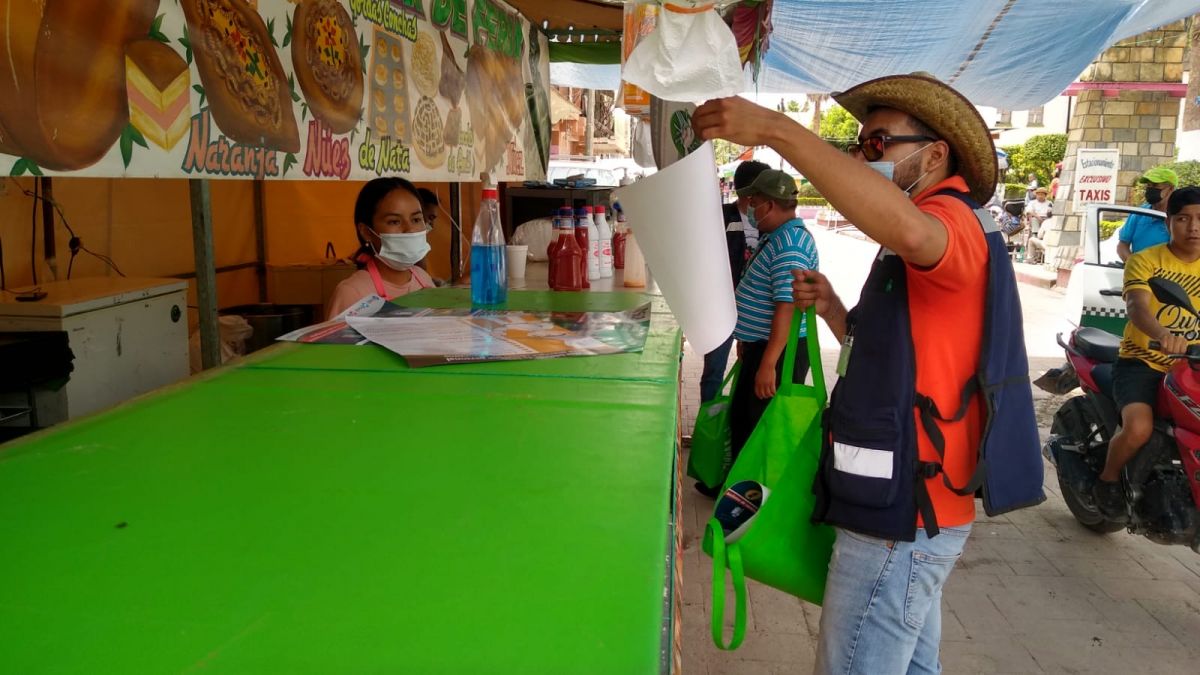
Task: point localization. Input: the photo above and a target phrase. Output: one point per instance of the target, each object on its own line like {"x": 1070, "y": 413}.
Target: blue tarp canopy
{"x": 1014, "y": 54}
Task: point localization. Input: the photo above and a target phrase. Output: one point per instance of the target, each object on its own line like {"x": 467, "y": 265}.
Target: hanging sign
{"x": 1095, "y": 177}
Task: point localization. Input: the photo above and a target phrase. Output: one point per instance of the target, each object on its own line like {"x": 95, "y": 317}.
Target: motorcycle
{"x": 1162, "y": 482}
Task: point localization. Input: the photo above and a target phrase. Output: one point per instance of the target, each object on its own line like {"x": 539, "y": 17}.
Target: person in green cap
{"x": 1142, "y": 231}
{"x": 764, "y": 299}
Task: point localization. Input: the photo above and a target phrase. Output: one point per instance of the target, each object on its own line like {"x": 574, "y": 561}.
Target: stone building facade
{"x": 1141, "y": 123}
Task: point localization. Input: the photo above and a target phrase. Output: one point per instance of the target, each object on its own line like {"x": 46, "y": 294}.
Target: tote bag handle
{"x": 721, "y": 556}
{"x": 786, "y": 386}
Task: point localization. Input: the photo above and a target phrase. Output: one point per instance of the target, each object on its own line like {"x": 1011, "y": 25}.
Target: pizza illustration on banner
{"x": 328, "y": 63}
{"x": 243, "y": 78}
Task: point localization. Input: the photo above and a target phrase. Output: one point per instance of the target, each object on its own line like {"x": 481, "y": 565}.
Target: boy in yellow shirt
{"x": 1139, "y": 370}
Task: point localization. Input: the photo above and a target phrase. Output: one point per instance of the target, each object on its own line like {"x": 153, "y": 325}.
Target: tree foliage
{"x": 725, "y": 151}
{"x": 793, "y": 106}
{"x": 1189, "y": 174}
{"x": 838, "y": 126}
{"x": 1038, "y": 155}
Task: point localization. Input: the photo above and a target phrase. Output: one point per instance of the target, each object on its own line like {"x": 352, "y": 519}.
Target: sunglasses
{"x": 872, "y": 147}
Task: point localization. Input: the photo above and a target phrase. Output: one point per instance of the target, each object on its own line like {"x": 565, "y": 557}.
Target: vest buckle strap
{"x": 928, "y": 470}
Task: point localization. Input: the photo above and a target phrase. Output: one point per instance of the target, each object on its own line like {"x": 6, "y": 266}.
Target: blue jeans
{"x": 882, "y": 613}
{"x": 714, "y": 371}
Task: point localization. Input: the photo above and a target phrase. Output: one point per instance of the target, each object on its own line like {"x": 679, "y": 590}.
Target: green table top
{"x": 311, "y": 519}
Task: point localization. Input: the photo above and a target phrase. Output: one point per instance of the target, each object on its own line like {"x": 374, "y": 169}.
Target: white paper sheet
{"x": 676, "y": 216}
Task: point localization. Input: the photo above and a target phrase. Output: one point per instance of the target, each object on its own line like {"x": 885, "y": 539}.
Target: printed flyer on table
{"x": 438, "y": 90}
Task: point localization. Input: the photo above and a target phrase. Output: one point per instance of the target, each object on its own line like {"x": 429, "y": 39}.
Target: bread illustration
{"x": 62, "y": 77}
{"x": 425, "y": 65}
{"x": 328, "y": 64}
{"x": 427, "y": 134}
{"x": 243, "y": 78}
{"x": 159, "y": 83}
{"x": 389, "y": 87}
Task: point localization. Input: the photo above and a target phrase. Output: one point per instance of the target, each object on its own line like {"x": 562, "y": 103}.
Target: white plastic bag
{"x": 691, "y": 57}
{"x": 234, "y": 331}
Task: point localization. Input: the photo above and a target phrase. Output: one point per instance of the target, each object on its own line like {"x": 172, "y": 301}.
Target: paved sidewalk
{"x": 1033, "y": 593}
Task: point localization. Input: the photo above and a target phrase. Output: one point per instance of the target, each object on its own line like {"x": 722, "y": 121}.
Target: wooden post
{"x": 456, "y": 237}
{"x": 260, "y": 237}
{"x": 48, "y": 226}
{"x": 589, "y": 110}
{"x": 206, "y": 273}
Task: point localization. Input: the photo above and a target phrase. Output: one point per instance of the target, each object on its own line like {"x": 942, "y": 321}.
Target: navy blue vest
{"x": 871, "y": 479}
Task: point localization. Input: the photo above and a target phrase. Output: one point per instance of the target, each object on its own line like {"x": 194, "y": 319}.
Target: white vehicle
{"x": 1094, "y": 291}
{"x": 559, "y": 169}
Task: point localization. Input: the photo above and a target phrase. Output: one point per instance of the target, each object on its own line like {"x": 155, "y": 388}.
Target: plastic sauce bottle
{"x": 606, "y": 235}
{"x": 489, "y": 274}
{"x": 618, "y": 245}
{"x": 593, "y": 249}
{"x": 567, "y": 262}
{"x": 582, "y": 221}
{"x": 635, "y": 263}
{"x": 562, "y": 220}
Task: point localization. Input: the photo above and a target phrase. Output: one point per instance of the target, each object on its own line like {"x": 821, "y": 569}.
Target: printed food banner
{"x": 438, "y": 90}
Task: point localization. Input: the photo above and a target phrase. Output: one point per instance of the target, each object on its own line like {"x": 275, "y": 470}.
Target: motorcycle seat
{"x": 1097, "y": 344}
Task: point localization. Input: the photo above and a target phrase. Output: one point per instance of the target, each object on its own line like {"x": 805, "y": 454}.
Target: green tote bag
{"x": 710, "y": 456}
{"x": 781, "y": 547}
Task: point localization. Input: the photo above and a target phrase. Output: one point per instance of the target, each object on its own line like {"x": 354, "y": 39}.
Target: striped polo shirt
{"x": 768, "y": 278}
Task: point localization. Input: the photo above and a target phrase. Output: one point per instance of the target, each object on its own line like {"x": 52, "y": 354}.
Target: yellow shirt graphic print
{"x": 1158, "y": 261}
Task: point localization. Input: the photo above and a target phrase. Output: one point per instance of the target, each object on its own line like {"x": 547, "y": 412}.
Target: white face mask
{"x": 401, "y": 251}
{"x": 888, "y": 169}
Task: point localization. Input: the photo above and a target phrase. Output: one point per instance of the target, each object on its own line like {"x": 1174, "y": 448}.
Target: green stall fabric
{"x": 329, "y": 520}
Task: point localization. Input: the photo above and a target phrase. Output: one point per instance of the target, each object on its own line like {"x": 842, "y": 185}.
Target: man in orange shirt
{"x": 923, "y": 154}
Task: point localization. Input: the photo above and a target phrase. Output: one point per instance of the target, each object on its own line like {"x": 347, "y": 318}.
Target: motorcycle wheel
{"x": 1087, "y": 516}
{"x": 1074, "y": 420}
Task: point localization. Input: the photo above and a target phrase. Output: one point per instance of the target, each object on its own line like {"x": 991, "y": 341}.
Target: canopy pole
{"x": 589, "y": 107}
{"x": 48, "y": 226}
{"x": 260, "y": 237}
{"x": 206, "y": 273}
{"x": 456, "y": 238}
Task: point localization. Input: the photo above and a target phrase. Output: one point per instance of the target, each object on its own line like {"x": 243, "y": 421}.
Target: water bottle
{"x": 489, "y": 274}
{"x": 606, "y": 240}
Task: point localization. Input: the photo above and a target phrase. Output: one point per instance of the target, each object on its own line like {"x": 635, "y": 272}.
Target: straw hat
{"x": 947, "y": 112}
{"x": 1041, "y": 191}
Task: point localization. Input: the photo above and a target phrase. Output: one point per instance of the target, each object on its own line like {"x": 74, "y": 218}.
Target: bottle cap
{"x": 587, "y": 209}
{"x": 599, "y": 209}
{"x": 491, "y": 193}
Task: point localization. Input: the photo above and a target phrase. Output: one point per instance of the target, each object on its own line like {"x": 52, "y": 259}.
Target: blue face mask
{"x": 888, "y": 169}
{"x": 885, "y": 169}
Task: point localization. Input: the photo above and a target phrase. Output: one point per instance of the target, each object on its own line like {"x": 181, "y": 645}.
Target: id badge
{"x": 844, "y": 355}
